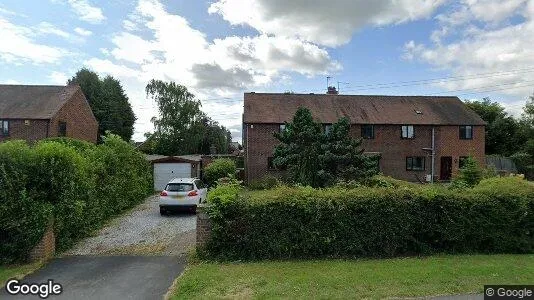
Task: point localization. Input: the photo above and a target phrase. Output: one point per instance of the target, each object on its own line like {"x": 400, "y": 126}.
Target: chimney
{"x": 332, "y": 91}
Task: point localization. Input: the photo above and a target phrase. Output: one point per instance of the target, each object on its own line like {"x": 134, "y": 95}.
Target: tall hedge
{"x": 80, "y": 184}
{"x": 495, "y": 217}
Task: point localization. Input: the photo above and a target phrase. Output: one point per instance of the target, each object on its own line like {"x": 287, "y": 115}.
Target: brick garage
{"x": 34, "y": 113}
{"x": 264, "y": 113}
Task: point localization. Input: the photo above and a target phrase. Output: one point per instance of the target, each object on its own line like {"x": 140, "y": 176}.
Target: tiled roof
{"x": 33, "y": 101}
{"x": 360, "y": 109}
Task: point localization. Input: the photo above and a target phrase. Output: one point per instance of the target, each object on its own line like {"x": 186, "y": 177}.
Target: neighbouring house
{"x": 166, "y": 168}
{"x": 398, "y": 128}
{"x": 36, "y": 112}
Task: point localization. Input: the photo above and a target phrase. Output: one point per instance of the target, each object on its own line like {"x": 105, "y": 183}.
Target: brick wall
{"x": 259, "y": 144}
{"x": 81, "y": 123}
{"x": 46, "y": 248}
{"x": 77, "y": 113}
{"x": 203, "y": 226}
{"x": 31, "y": 131}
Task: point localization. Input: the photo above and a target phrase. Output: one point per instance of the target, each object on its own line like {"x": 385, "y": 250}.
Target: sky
{"x": 220, "y": 49}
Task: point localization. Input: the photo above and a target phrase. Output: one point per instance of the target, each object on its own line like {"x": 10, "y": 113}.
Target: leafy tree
{"x": 218, "y": 169}
{"x": 504, "y": 134}
{"x": 320, "y": 159}
{"x": 181, "y": 127}
{"x": 524, "y": 160}
{"x": 109, "y": 103}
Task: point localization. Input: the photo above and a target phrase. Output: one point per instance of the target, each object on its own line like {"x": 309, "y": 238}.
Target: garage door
{"x": 164, "y": 172}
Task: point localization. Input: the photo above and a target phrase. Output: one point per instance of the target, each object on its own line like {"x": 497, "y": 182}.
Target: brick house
{"x": 36, "y": 112}
{"x": 398, "y": 128}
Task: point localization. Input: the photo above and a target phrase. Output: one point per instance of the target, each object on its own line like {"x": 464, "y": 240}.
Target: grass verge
{"x": 17, "y": 271}
{"x": 340, "y": 279}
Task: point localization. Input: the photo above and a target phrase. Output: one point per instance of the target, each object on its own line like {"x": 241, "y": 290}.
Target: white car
{"x": 182, "y": 193}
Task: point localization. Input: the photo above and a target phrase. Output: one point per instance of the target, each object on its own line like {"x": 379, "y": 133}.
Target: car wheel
{"x": 162, "y": 211}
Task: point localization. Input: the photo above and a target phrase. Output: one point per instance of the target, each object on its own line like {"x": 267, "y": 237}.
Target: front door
{"x": 446, "y": 168}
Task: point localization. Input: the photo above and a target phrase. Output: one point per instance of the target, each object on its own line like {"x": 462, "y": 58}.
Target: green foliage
{"x": 497, "y": 216}
{"x": 470, "y": 174}
{"x": 219, "y": 168}
{"x": 182, "y": 128}
{"x": 80, "y": 184}
{"x": 315, "y": 158}
{"x": 504, "y": 134}
{"x": 524, "y": 160}
{"x": 266, "y": 183}
{"x": 108, "y": 101}
{"x": 22, "y": 219}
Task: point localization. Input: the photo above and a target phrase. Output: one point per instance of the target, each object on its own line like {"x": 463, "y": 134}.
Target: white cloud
{"x": 86, "y": 11}
{"x": 226, "y": 66}
{"x": 330, "y": 23}
{"x": 48, "y": 28}
{"x": 18, "y": 46}
{"x": 11, "y": 81}
{"x": 486, "y": 42}
{"x": 132, "y": 48}
{"x": 83, "y": 32}
{"x": 58, "y": 78}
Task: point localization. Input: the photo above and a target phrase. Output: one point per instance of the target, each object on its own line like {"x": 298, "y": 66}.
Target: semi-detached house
{"x": 403, "y": 130}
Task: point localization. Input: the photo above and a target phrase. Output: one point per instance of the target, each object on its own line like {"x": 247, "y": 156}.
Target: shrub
{"x": 496, "y": 216}
{"x": 80, "y": 184}
{"x": 470, "y": 174}
{"x": 219, "y": 168}
{"x": 265, "y": 183}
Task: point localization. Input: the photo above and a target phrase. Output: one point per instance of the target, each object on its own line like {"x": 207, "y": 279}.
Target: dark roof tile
{"x": 33, "y": 101}
{"x": 360, "y": 109}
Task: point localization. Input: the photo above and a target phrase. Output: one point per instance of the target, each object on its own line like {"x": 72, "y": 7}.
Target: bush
{"x": 496, "y": 216}
{"x": 266, "y": 183}
{"x": 80, "y": 184}
{"x": 470, "y": 174}
{"x": 218, "y": 169}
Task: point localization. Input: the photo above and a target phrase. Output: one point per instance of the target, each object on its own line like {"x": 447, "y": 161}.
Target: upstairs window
{"x": 62, "y": 130}
{"x": 408, "y": 132}
{"x": 4, "y": 127}
{"x": 466, "y": 132}
{"x": 282, "y": 128}
{"x": 415, "y": 163}
{"x": 368, "y": 132}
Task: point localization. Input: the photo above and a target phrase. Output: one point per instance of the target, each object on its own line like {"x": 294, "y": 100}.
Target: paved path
{"x": 119, "y": 277}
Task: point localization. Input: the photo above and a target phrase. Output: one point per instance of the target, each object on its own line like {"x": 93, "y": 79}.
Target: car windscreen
{"x": 179, "y": 187}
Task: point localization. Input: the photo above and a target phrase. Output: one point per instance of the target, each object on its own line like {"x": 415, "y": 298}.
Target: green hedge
{"x": 82, "y": 185}
{"x": 497, "y": 216}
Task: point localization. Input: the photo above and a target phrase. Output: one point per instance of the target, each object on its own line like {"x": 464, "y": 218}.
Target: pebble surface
{"x": 142, "y": 231}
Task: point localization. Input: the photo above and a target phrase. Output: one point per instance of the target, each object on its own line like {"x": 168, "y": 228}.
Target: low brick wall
{"x": 203, "y": 226}
{"x": 46, "y": 248}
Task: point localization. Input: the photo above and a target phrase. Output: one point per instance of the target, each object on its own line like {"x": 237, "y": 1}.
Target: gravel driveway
{"x": 142, "y": 231}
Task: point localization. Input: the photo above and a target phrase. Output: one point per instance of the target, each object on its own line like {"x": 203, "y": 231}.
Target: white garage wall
{"x": 164, "y": 172}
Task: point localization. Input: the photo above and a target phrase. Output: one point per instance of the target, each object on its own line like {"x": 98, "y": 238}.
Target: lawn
{"x": 16, "y": 271}
{"x": 400, "y": 277}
